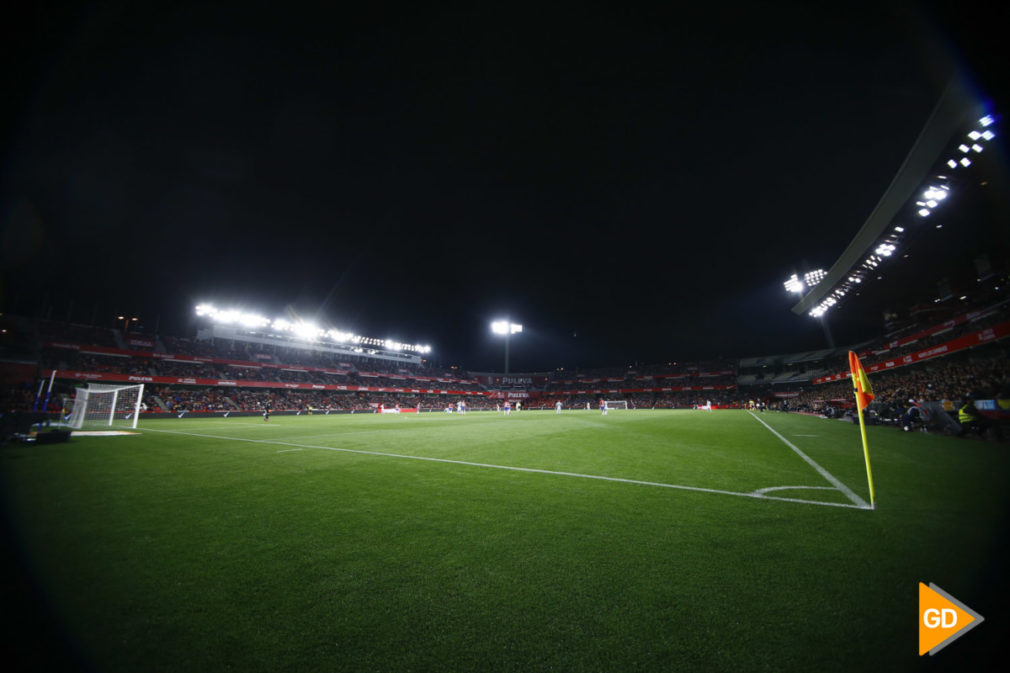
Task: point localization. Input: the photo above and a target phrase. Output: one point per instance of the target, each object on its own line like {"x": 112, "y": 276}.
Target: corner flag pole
{"x": 864, "y": 395}
{"x": 866, "y": 457}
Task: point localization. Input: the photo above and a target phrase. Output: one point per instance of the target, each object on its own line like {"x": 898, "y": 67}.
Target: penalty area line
{"x": 757, "y": 495}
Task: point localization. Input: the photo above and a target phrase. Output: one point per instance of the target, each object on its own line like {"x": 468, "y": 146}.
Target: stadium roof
{"x": 956, "y": 108}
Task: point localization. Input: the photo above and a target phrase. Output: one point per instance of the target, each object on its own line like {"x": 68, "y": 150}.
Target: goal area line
{"x": 760, "y": 494}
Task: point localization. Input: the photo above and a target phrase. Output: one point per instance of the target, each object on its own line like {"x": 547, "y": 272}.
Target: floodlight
{"x": 506, "y": 329}
{"x": 253, "y": 320}
{"x": 986, "y": 120}
{"x": 975, "y": 135}
{"x": 976, "y": 147}
{"x": 794, "y": 284}
{"x": 812, "y": 278}
{"x": 965, "y": 161}
{"x": 952, "y": 163}
{"x": 305, "y": 330}
{"x": 229, "y": 316}
{"x": 964, "y": 148}
{"x": 899, "y": 229}
{"x": 885, "y": 249}
{"x": 988, "y": 135}
{"x": 923, "y": 212}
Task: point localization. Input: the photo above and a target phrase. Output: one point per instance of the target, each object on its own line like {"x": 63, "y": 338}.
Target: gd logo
{"x": 942, "y": 619}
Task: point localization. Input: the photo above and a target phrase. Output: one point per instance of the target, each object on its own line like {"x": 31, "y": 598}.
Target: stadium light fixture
{"x": 507, "y": 329}
{"x": 305, "y": 330}
{"x": 252, "y": 320}
{"x": 794, "y": 284}
{"x": 986, "y": 120}
{"x": 300, "y": 329}
{"x": 126, "y": 322}
{"x": 812, "y": 278}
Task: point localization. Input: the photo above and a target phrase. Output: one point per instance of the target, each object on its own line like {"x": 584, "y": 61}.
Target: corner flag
{"x": 864, "y": 395}
{"x": 864, "y": 391}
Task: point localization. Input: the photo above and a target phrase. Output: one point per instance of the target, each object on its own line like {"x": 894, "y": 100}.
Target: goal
{"x": 616, "y": 404}
{"x": 101, "y": 405}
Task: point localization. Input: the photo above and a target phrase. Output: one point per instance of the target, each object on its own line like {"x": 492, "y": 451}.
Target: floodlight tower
{"x": 506, "y": 329}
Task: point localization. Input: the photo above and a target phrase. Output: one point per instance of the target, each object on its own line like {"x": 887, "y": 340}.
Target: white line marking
{"x": 790, "y": 488}
{"x": 578, "y": 475}
{"x": 288, "y": 450}
{"x": 859, "y": 502}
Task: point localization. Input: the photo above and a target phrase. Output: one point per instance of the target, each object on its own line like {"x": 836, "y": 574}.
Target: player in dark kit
{"x": 266, "y": 414}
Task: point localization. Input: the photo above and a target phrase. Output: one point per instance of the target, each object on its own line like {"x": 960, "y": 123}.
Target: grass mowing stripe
{"x": 759, "y": 494}
{"x": 849, "y": 493}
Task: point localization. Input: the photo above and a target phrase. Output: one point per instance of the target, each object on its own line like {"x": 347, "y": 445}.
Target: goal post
{"x": 616, "y": 404}
{"x": 103, "y": 405}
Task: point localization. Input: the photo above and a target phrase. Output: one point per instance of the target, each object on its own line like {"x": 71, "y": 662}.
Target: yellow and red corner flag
{"x": 864, "y": 395}
{"x": 864, "y": 391}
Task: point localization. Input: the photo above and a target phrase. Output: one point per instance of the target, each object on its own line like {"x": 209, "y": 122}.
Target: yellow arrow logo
{"x": 942, "y": 619}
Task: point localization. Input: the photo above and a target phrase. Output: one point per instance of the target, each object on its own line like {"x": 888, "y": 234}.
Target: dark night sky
{"x": 630, "y": 185}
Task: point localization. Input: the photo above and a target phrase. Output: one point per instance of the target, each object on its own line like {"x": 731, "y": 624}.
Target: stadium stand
{"x": 928, "y": 369}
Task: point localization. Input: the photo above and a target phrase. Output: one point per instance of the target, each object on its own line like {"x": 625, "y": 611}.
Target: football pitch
{"x": 639, "y": 541}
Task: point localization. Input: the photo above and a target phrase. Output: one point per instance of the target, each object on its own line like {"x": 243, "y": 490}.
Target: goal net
{"x": 101, "y": 405}
{"x": 616, "y": 404}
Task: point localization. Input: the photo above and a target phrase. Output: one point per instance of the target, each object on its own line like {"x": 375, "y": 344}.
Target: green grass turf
{"x": 234, "y": 544}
